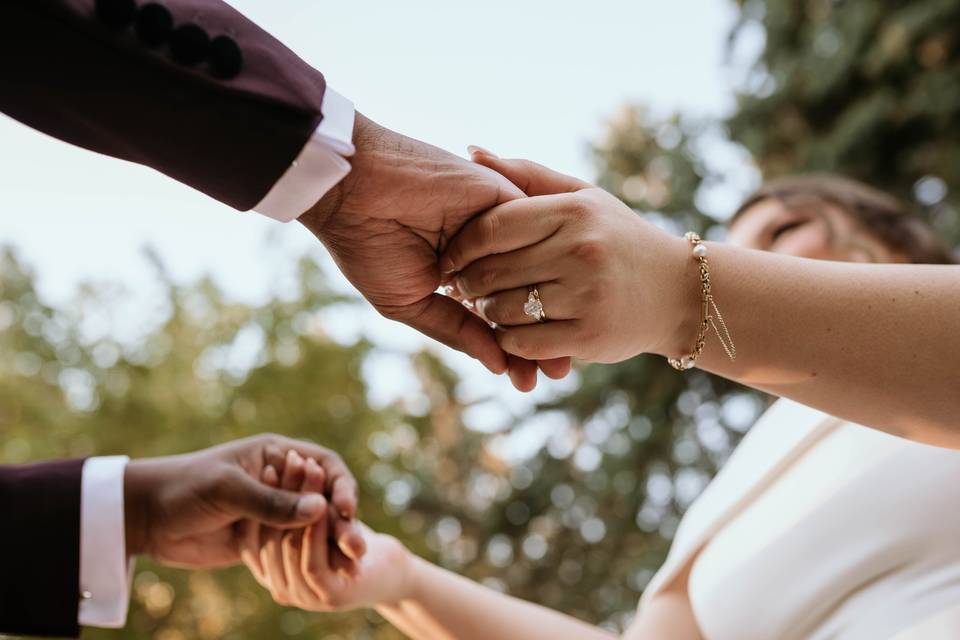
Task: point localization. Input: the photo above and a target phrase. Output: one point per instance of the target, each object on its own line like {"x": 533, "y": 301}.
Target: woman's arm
{"x": 875, "y": 344}
{"x": 422, "y": 600}
{"x": 301, "y": 568}
{"x": 441, "y": 604}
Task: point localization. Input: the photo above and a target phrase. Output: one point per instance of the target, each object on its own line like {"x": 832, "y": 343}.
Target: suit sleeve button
{"x": 226, "y": 59}
{"x": 154, "y": 24}
{"x": 189, "y": 45}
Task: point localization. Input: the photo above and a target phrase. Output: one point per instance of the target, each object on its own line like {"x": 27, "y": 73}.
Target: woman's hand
{"x": 305, "y": 568}
{"x": 612, "y": 285}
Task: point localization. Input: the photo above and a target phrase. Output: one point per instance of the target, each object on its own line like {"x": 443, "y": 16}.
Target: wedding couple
{"x": 832, "y": 297}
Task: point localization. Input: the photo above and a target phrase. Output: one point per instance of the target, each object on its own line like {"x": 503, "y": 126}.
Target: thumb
{"x": 531, "y": 178}
{"x": 245, "y": 497}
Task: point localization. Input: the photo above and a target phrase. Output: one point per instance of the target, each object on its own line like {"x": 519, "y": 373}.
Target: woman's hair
{"x": 880, "y": 214}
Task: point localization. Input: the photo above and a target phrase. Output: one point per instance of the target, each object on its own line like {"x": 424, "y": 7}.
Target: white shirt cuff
{"x": 320, "y": 166}
{"x": 105, "y": 570}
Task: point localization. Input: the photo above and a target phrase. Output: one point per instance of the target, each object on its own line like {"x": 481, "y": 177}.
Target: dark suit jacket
{"x": 40, "y": 548}
{"x": 188, "y": 87}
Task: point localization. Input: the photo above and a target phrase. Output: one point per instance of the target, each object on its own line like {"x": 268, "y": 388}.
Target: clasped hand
{"x": 612, "y": 286}
{"x": 410, "y": 217}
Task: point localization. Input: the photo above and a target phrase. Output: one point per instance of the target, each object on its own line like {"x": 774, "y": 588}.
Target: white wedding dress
{"x": 818, "y": 528}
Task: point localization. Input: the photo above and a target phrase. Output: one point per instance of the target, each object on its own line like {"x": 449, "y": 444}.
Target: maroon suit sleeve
{"x": 40, "y": 548}
{"x": 191, "y": 88}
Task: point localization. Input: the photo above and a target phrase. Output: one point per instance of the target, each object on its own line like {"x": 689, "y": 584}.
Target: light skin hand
{"x": 192, "y": 510}
{"x": 300, "y": 567}
{"x": 612, "y": 285}
{"x": 385, "y": 224}
{"x": 421, "y": 600}
{"x": 834, "y": 335}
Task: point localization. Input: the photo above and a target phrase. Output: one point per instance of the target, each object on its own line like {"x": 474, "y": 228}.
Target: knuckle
{"x": 488, "y": 276}
{"x": 279, "y": 505}
{"x": 271, "y": 444}
{"x": 579, "y": 207}
{"x": 489, "y": 228}
{"x": 522, "y": 346}
{"x": 591, "y": 250}
{"x": 401, "y": 312}
{"x": 223, "y": 479}
{"x": 397, "y": 314}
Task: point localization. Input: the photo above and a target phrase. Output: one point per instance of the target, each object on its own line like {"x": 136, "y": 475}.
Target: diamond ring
{"x": 533, "y": 307}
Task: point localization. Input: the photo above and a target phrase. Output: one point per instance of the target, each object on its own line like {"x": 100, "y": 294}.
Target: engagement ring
{"x": 534, "y": 306}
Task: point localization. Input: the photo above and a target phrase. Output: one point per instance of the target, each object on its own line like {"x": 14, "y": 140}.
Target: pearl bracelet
{"x": 707, "y": 319}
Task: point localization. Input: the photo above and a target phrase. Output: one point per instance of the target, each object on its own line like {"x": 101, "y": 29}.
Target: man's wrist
{"x": 137, "y": 483}
{"x": 365, "y": 137}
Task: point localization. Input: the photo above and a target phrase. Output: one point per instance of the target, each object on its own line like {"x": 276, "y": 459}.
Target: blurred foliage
{"x": 582, "y": 519}
{"x": 867, "y": 89}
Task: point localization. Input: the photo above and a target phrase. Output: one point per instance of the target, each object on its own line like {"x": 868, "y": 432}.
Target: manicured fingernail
{"x": 311, "y": 506}
{"x": 474, "y": 150}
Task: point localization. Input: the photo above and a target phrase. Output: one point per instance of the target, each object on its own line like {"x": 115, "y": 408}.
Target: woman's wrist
{"x": 680, "y": 300}
{"x": 407, "y": 569}
{"x": 415, "y": 570}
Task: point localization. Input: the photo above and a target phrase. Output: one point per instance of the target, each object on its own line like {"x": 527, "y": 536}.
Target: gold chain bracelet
{"x": 707, "y": 319}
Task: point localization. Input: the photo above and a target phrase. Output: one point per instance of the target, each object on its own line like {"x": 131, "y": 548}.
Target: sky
{"x": 527, "y": 78}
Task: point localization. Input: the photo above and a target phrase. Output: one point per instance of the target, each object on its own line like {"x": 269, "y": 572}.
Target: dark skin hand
{"x": 388, "y": 220}
{"x": 198, "y": 509}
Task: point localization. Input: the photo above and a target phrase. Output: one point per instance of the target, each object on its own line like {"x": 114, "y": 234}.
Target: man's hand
{"x": 388, "y": 220}
{"x": 187, "y": 510}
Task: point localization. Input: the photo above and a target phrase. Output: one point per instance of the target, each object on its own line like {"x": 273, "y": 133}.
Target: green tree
{"x": 584, "y": 516}
{"x": 867, "y": 89}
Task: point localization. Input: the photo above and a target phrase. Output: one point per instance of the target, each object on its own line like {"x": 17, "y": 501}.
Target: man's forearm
{"x": 445, "y": 605}
{"x": 875, "y": 344}
{"x": 221, "y": 106}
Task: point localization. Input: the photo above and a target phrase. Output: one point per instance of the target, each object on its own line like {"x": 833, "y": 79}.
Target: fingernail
{"x": 447, "y": 267}
{"x": 474, "y": 150}
{"x": 311, "y": 507}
